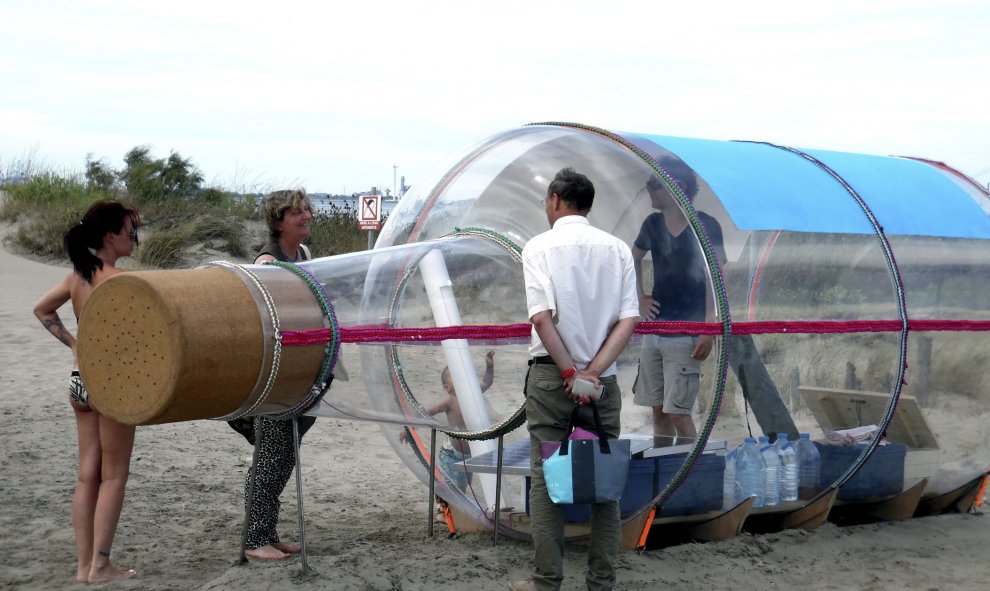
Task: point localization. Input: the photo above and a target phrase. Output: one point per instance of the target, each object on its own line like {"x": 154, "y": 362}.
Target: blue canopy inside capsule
{"x": 767, "y": 188}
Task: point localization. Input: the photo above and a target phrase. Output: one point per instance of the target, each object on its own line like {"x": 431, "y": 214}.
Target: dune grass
{"x": 336, "y": 232}
{"x": 44, "y": 205}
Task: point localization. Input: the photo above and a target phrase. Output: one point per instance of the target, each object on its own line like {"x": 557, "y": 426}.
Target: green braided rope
{"x": 487, "y": 234}
{"x": 513, "y": 422}
{"x": 722, "y": 300}
{"x": 898, "y": 283}
{"x": 330, "y": 348}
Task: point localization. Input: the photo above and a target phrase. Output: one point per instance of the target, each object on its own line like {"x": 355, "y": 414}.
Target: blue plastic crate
{"x": 700, "y": 492}
{"x": 881, "y": 476}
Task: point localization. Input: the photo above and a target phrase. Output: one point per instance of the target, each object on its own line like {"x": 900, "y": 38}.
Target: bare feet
{"x": 266, "y": 553}
{"x": 82, "y": 574}
{"x": 288, "y": 548}
{"x": 109, "y": 572}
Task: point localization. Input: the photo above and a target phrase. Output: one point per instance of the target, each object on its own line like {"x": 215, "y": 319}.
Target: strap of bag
{"x": 602, "y": 437}
{"x": 564, "y": 447}
{"x": 599, "y": 430}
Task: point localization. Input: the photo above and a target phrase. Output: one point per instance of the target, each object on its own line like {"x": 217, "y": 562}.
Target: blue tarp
{"x": 766, "y": 188}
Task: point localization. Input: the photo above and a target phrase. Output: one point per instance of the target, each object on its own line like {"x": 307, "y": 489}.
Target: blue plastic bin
{"x": 881, "y": 476}
{"x": 700, "y": 492}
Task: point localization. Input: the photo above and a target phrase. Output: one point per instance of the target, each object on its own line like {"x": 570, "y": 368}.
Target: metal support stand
{"x": 498, "y": 491}
{"x": 249, "y": 503}
{"x": 299, "y": 498}
{"x": 433, "y": 478}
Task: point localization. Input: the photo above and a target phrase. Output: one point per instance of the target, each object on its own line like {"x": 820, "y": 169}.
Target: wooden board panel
{"x": 836, "y": 409}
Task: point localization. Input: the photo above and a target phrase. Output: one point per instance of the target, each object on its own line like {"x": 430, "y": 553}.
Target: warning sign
{"x": 370, "y": 212}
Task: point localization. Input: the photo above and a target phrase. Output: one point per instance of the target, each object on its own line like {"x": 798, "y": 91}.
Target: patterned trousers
{"x": 276, "y": 460}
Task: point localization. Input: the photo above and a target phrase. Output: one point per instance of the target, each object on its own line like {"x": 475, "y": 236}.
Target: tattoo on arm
{"x": 55, "y": 326}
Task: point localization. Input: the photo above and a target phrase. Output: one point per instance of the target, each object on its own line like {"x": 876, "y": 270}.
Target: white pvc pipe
{"x": 440, "y": 292}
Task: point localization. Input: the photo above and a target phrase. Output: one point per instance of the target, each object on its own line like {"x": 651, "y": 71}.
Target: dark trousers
{"x": 547, "y": 411}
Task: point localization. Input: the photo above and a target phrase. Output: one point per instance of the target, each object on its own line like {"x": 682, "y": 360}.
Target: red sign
{"x": 370, "y": 212}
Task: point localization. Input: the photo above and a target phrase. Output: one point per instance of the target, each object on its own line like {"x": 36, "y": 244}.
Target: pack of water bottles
{"x": 782, "y": 472}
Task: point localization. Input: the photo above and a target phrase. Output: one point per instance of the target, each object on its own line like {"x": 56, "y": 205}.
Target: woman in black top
{"x": 289, "y": 214}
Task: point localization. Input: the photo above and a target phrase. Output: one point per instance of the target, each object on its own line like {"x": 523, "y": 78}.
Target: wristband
{"x": 568, "y": 373}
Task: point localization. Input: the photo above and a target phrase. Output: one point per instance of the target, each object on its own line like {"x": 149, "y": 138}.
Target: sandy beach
{"x": 366, "y": 514}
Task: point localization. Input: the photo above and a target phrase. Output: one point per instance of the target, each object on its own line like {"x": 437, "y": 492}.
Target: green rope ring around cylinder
{"x": 513, "y": 422}
{"x": 330, "y": 349}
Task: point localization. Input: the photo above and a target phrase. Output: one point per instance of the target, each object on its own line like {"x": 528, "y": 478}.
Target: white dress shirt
{"x": 586, "y": 279}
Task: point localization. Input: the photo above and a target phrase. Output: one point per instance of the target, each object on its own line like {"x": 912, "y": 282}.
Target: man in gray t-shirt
{"x": 670, "y": 365}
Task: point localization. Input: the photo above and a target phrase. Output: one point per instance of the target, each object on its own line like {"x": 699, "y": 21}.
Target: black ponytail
{"x": 83, "y": 239}
{"x": 76, "y": 244}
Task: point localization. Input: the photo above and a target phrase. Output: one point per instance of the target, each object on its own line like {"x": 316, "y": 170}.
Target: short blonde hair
{"x": 277, "y": 202}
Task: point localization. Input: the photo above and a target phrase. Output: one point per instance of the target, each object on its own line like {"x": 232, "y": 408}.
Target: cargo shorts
{"x": 668, "y": 375}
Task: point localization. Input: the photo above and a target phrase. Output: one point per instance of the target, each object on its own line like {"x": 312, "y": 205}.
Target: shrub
{"x": 336, "y": 232}
{"x": 99, "y": 175}
{"x": 48, "y": 191}
{"x": 148, "y": 180}
{"x": 165, "y": 247}
{"x": 47, "y": 205}
{"x": 42, "y": 235}
{"x": 226, "y": 229}
{"x": 183, "y": 223}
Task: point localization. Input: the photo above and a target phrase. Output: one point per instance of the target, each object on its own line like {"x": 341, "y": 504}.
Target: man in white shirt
{"x": 582, "y": 301}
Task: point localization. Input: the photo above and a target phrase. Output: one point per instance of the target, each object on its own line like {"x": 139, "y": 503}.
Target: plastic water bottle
{"x": 789, "y": 464}
{"x": 749, "y": 472}
{"x": 729, "y": 481}
{"x": 809, "y": 467}
{"x": 771, "y": 474}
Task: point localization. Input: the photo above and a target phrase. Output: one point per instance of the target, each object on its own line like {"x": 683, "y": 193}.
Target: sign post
{"x": 370, "y": 216}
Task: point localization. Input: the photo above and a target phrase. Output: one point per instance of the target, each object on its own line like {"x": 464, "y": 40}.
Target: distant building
{"x": 15, "y": 178}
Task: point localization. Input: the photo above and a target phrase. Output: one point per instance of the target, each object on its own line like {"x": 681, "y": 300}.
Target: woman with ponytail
{"x": 107, "y": 232}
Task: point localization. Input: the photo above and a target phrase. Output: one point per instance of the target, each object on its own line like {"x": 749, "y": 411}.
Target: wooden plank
{"x": 724, "y": 527}
{"x": 941, "y": 503}
{"x": 902, "y": 506}
{"x": 968, "y": 500}
{"x": 813, "y": 514}
{"x": 792, "y": 515}
{"x": 836, "y": 409}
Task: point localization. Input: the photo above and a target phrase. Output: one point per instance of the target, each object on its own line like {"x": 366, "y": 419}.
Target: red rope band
{"x": 489, "y": 332}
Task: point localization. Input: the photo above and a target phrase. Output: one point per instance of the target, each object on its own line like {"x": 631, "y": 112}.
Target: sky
{"x": 338, "y": 97}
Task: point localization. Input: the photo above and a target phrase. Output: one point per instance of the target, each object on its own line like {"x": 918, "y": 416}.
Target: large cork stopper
{"x": 168, "y": 346}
